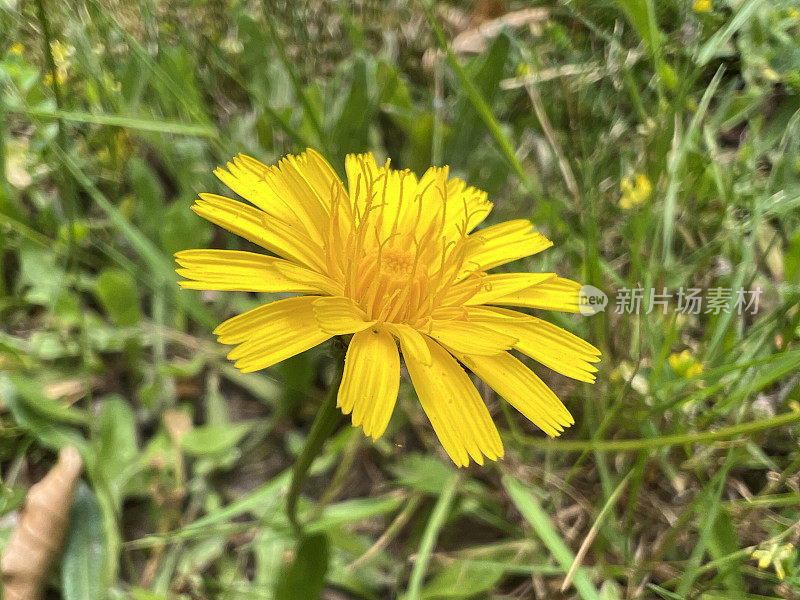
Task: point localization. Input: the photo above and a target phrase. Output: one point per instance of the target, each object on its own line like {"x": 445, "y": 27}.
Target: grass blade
{"x": 540, "y": 521}
{"x": 432, "y": 529}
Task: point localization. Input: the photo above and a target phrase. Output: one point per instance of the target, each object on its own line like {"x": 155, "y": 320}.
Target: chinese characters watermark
{"x": 687, "y": 301}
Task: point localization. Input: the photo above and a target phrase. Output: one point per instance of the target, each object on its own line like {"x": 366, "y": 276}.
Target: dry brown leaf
{"x": 476, "y": 40}
{"x": 36, "y": 541}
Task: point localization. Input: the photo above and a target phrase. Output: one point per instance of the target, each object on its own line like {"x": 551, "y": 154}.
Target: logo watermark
{"x": 591, "y": 300}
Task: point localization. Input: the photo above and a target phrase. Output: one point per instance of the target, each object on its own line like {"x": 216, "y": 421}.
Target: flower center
{"x": 390, "y": 284}
{"x": 396, "y": 244}
{"x": 396, "y": 263}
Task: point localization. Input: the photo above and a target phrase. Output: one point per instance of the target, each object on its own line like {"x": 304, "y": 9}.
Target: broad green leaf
{"x": 29, "y": 392}
{"x": 304, "y": 577}
{"x": 119, "y": 295}
{"x": 268, "y": 550}
{"x": 214, "y": 439}
{"x": 724, "y": 542}
{"x": 84, "y": 554}
{"x": 117, "y": 449}
{"x": 486, "y": 71}
{"x": 422, "y": 472}
{"x": 463, "y": 579}
{"x": 352, "y": 126}
{"x": 41, "y": 279}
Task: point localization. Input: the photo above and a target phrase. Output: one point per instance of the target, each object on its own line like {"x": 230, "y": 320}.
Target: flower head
{"x": 776, "y": 555}
{"x": 634, "y": 192}
{"x": 391, "y": 258}
{"x": 684, "y": 364}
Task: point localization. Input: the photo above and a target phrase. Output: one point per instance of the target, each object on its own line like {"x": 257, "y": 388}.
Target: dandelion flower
{"x": 635, "y": 192}
{"x": 389, "y": 259}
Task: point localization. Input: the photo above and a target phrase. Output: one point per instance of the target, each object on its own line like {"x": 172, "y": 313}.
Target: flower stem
{"x": 324, "y": 423}
{"x": 430, "y": 535}
{"x": 635, "y": 445}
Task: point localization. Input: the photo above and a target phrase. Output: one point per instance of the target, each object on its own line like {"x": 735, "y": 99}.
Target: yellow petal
{"x": 522, "y": 389}
{"x": 471, "y": 338}
{"x": 371, "y": 380}
{"x": 255, "y": 226}
{"x": 297, "y": 191}
{"x": 248, "y": 272}
{"x": 557, "y": 293}
{"x": 488, "y": 288}
{"x": 271, "y": 333}
{"x": 291, "y": 182}
{"x": 549, "y": 345}
{"x": 467, "y": 207}
{"x": 552, "y": 346}
{"x": 339, "y": 315}
{"x": 454, "y": 407}
{"x": 362, "y": 171}
{"x": 412, "y": 342}
{"x": 502, "y": 243}
{"x": 248, "y": 177}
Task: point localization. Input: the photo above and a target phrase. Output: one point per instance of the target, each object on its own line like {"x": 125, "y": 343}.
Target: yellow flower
{"x": 61, "y": 58}
{"x": 684, "y": 364}
{"x": 634, "y": 192}
{"x": 702, "y": 6}
{"x": 392, "y": 258}
{"x": 774, "y": 555}
{"x": 16, "y": 49}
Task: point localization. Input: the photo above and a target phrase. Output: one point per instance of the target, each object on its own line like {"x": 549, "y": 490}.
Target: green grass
{"x": 678, "y": 478}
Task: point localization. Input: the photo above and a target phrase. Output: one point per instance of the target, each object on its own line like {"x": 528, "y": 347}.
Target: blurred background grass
{"x": 684, "y": 459}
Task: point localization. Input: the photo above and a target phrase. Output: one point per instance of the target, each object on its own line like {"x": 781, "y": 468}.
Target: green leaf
{"x": 792, "y": 260}
{"x": 117, "y": 449}
{"x": 486, "y": 73}
{"x": 743, "y": 15}
{"x": 351, "y": 130}
{"x": 422, "y": 472}
{"x": 181, "y": 229}
{"x": 214, "y": 439}
{"x": 119, "y": 295}
{"x": 724, "y": 542}
{"x": 29, "y": 393}
{"x": 85, "y": 550}
{"x": 148, "y": 195}
{"x": 637, "y": 12}
{"x": 39, "y": 276}
{"x": 463, "y": 579}
{"x": 304, "y": 577}
{"x": 268, "y": 551}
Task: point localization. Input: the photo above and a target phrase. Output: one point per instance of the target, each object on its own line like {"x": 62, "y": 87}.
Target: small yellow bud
{"x": 702, "y": 6}
{"x": 684, "y": 364}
